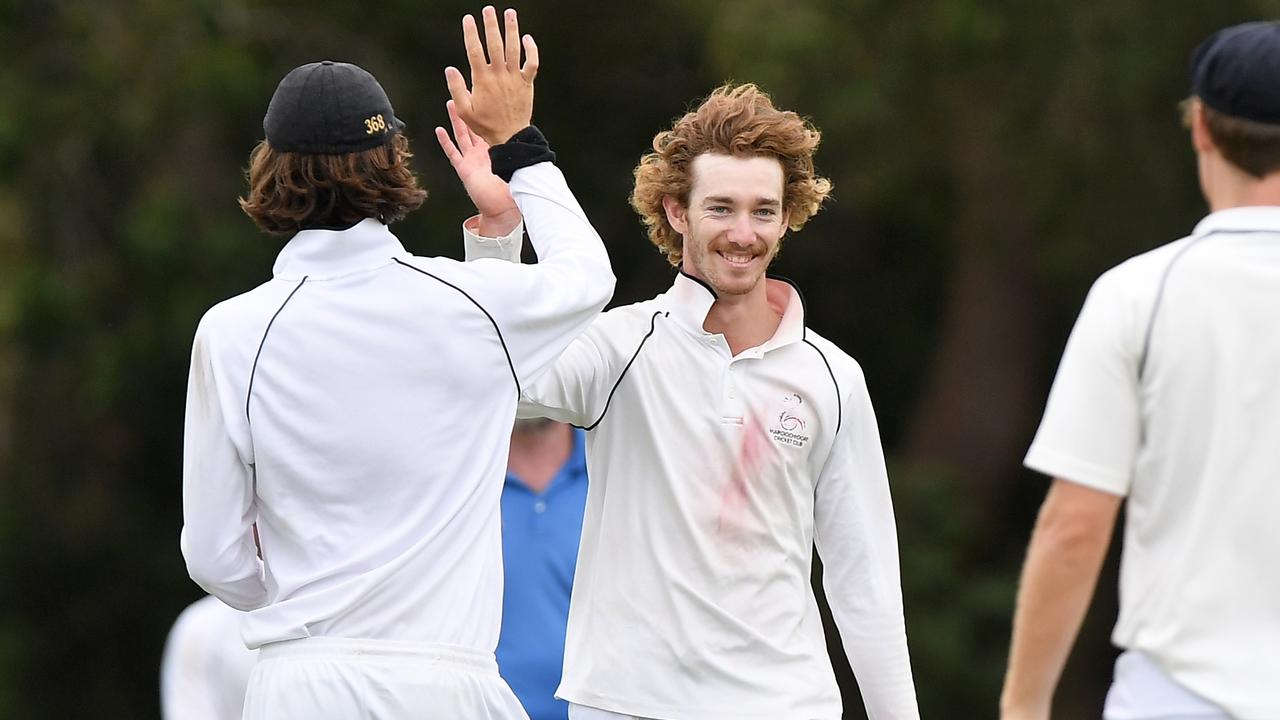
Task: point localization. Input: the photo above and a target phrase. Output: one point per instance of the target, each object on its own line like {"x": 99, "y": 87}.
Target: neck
{"x": 1226, "y": 186}
{"x": 538, "y": 451}
{"x": 746, "y": 320}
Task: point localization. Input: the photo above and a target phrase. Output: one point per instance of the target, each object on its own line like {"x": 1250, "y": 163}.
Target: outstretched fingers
{"x": 530, "y": 69}
{"x": 461, "y": 133}
{"x": 493, "y": 36}
{"x": 512, "y": 41}
{"x": 477, "y": 141}
{"x": 471, "y": 41}
{"x": 458, "y": 90}
{"x": 450, "y": 151}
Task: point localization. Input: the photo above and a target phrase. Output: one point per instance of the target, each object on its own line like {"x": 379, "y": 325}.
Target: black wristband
{"x": 525, "y": 148}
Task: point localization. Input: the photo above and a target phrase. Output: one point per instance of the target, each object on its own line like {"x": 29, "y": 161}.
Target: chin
{"x": 723, "y": 286}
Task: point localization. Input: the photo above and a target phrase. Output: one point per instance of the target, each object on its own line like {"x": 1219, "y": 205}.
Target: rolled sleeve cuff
{"x": 506, "y": 247}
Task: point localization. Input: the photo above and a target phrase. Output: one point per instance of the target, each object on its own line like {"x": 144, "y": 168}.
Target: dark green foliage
{"x": 1038, "y": 140}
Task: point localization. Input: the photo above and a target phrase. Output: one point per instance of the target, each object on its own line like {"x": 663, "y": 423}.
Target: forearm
{"x": 1064, "y": 559}
{"x": 498, "y": 224}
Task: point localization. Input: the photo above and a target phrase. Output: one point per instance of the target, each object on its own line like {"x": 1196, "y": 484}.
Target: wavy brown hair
{"x": 292, "y": 191}
{"x": 737, "y": 120}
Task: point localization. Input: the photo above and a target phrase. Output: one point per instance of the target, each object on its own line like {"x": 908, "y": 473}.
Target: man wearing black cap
{"x": 1168, "y": 395}
{"x": 348, "y": 420}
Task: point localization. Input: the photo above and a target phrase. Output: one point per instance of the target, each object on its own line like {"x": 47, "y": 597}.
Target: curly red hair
{"x": 737, "y": 120}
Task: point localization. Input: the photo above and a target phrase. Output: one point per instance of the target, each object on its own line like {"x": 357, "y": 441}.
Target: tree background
{"x": 990, "y": 158}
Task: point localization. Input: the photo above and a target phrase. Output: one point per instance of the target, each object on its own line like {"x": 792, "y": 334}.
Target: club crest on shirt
{"x": 788, "y": 426}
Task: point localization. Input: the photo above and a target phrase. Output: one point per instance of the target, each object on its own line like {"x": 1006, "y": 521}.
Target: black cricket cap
{"x": 1236, "y": 71}
{"x": 329, "y": 108}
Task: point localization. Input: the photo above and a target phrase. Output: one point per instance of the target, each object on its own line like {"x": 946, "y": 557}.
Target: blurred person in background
{"x": 1168, "y": 395}
{"x": 725, "y": 438}
{"x": 357, "y": 408}
{"x": 205, "y": 668}
{"x": 542, "y": 505}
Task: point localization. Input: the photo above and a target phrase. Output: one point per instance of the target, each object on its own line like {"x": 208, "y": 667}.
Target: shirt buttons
{"x": 540, "y": 507}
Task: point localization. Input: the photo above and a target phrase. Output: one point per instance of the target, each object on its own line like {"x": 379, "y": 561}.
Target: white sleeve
{"x": 573, "y": 389}
{"x": 857, "y": 540}
{"x": 1091, "y": 428}
{"x": 570, "y": 390}
{"x": 217, "y": 488}
{"x": 540, "y": 308}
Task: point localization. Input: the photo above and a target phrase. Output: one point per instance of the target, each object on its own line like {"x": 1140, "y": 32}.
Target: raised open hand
{"x": 500, "y": 101}
{"x": 470, "y": 160}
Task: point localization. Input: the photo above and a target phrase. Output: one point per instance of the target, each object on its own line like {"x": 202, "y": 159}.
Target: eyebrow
{"x": 724, "y": 200}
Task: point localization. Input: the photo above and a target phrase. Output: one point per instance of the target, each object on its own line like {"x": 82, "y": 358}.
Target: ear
{"x": 1201, "y": 139}
{"x": 677, "y": 214}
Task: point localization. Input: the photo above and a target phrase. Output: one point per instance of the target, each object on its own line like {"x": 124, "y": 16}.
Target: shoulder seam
{"x": 1155, "y": 308}
{"x": 834, "y": 382}
{"x": 653, "y": 321}
{"x": 248, "y": 399}
{"x": 502, "y": 341}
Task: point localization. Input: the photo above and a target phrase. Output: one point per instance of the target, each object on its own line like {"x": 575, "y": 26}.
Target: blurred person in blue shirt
{"x": 542, "y": 506}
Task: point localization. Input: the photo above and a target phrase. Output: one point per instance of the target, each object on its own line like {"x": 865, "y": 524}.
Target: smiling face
{"x": 733, "y": 222}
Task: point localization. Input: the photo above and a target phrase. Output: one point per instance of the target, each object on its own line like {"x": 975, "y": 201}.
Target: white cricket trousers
{"x": 343, "y": 679}
{"x": 582, "y": 712}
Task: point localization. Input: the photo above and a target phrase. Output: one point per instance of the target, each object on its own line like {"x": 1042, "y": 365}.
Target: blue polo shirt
{"x": 540, "y": 533}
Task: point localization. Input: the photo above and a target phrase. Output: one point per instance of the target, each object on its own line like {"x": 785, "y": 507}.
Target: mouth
{"x": 737, "y": 259}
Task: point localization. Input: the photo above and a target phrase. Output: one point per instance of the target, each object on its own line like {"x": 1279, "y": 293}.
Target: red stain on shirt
{"x": 746, "y": 468}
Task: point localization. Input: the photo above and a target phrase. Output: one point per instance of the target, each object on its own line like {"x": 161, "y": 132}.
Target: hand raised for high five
{"x": 470, "y": 159}
{"x": 500, "y": 101}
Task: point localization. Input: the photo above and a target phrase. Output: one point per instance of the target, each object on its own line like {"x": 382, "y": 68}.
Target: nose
{"x": 740, "y": 232}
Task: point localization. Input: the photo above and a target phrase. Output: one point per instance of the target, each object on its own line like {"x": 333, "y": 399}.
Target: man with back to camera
{"x": 356, "y": 409}
{"x": 724, "y": 439}
{"x": 1168, "y": 394}
{"x": 542, "y": 503}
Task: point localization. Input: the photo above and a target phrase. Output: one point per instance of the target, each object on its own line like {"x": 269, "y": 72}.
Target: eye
{"x": 718, "y": 210}
{"x": 766, "y": 212}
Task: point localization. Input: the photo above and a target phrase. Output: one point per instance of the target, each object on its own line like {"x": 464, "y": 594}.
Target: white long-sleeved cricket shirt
{"x": 357, "y": 407}
{"x": 712, "y": 477}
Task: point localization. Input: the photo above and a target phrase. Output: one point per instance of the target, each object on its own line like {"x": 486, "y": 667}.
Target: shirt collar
{"x": 1259, "y": 218}
{"x": 320, "y": 254}
{"x": 690, "y": 299}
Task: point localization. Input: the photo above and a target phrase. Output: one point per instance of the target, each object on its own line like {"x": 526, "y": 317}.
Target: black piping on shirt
{"x": 1151, "y": 322}
{"x": 1155, "y": 308}
{"x": 703, "y": 283}
{"x": 653, "y": 321}
{"x": 839, "y": 402}
{"x": 496, "y": 329}
{"x": 248, "y": 396}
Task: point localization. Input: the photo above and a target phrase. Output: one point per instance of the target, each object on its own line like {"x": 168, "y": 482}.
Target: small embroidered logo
{"x": 788, "y": 428}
